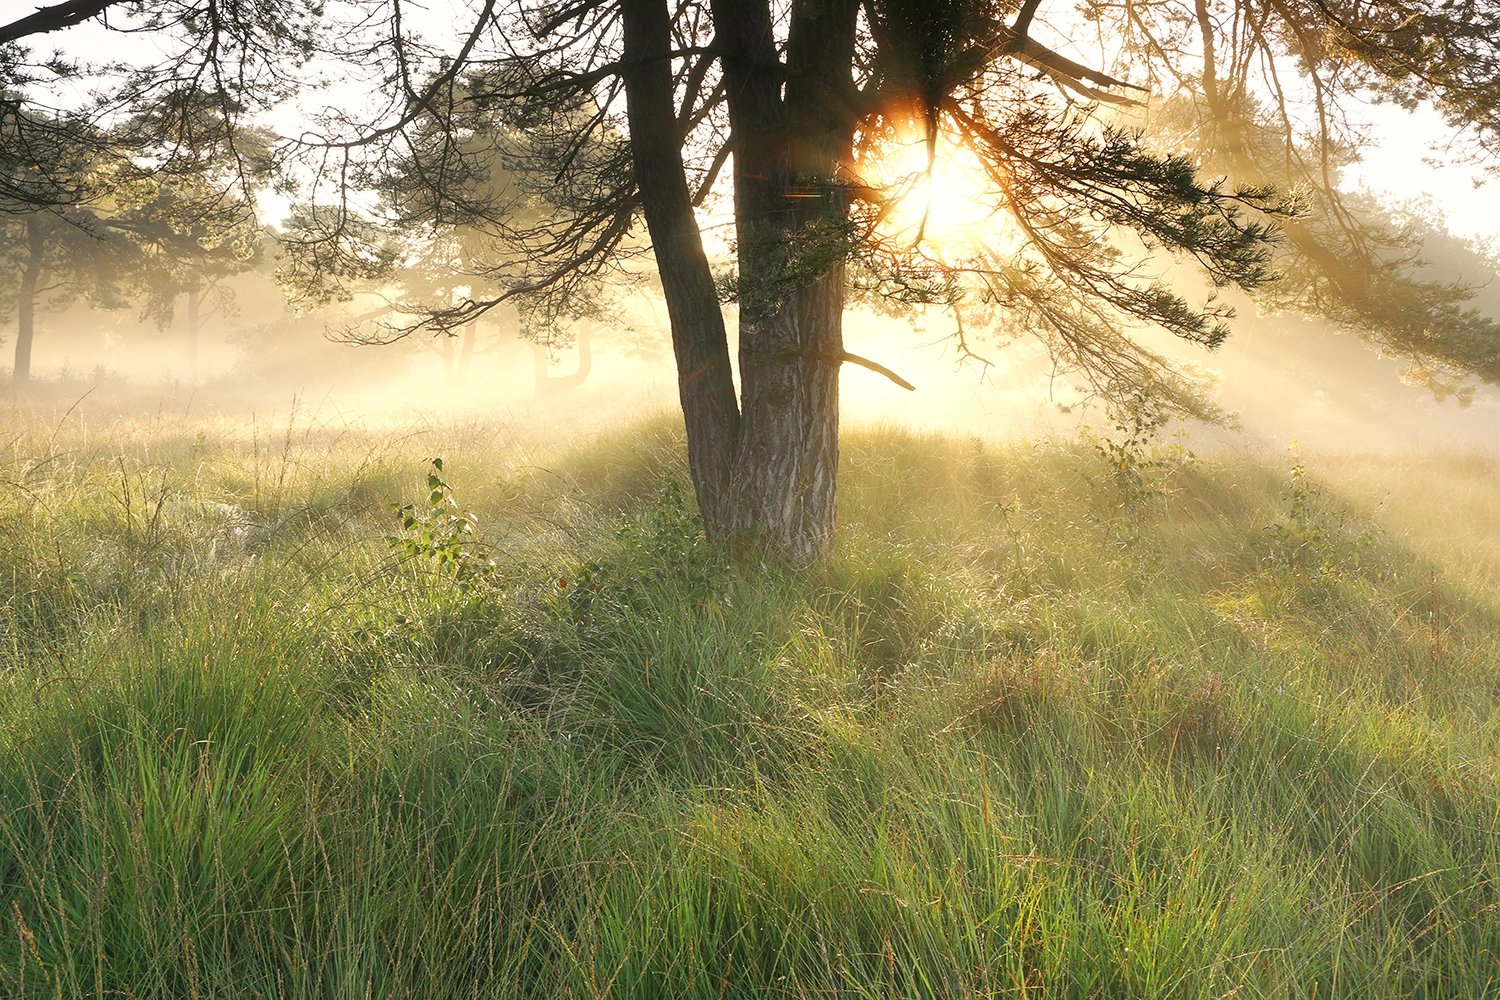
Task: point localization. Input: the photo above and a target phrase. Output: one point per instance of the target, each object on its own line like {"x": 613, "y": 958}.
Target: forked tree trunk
{"x": 765, "y": 470}
{"x": 790, "y": 141}
{"x": 36, "y": 246}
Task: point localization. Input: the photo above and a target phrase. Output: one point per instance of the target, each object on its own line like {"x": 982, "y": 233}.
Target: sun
{"x": 951, "y": 211}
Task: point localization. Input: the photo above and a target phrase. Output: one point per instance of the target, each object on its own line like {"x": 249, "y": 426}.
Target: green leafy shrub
{"x": 1137, "y": 458}
{"x": 1311, "y": 540}
{"x": 443, "y": 534}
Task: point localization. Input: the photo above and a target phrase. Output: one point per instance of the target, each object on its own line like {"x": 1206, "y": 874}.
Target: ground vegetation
{"x": 298, "y": 711}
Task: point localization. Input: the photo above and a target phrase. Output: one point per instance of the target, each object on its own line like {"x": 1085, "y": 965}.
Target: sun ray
{"x": 943, "y": 205}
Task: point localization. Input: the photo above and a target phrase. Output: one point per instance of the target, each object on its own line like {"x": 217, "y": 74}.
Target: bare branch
{"x": 54, "y": 18}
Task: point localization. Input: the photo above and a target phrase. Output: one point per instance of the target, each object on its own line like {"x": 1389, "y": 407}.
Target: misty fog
{"x": 1282, "y": 378}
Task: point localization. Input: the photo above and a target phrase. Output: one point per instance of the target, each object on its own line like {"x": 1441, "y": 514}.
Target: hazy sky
{"x": 1396, "y": 165}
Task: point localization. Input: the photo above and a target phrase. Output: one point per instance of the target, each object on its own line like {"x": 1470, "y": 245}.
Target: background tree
{"x": 809, "y": 99}
{"x": 199, "y": 230}
{"x": 1239, "y": 115}
{"x": 144, "y": 192}
{"x": 56, "y": 247}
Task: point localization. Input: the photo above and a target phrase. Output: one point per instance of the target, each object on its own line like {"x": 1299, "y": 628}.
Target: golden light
{"x": 954, "y": 211}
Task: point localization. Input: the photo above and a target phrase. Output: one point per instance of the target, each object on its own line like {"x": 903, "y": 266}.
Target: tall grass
{"x": 1031, "y": 731}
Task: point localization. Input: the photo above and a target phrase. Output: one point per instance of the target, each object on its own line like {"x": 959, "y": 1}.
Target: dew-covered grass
{"x": 1035, "y": 729}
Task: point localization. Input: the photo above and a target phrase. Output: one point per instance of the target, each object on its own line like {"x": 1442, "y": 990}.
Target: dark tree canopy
{"x": 1211, "y": 132}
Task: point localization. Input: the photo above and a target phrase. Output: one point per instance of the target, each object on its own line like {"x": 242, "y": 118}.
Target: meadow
{"x": 282, "y": 716}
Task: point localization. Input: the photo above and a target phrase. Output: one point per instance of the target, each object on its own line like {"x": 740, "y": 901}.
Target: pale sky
{"x": 1396, "y": 167}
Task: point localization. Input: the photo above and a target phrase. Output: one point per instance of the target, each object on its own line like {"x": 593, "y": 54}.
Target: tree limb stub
{"x": 854, "y": 359}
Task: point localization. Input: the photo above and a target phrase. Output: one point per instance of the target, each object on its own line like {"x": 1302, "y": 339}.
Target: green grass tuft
{"x": 1030, "y": 731}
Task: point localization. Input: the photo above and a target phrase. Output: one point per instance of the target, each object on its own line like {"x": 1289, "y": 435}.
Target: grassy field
{"x": 1043, "y": 726}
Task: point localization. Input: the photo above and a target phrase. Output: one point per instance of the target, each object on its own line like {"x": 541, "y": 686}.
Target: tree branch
{"x": 844, "y": 357}
{"x": 1023, "y": 21}
{"x": 713, "y": 173}
{"x": 54, "y": 18}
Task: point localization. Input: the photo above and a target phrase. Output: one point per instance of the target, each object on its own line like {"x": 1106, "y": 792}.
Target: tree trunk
{"x": 705, "y": 382}
{"x": 36, "y": 245}
{"x": 790, "y": 212}
{"x": 766, "y": 470}
{"x": 548, "y": 384}
{"x": 193, "y": 324}
{"x": 786, "y": 471}
{"x": 467, "y": 353}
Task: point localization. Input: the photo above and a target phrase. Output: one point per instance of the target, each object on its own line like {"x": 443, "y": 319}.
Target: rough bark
{"x": 789, "y": 149}
{"x": 705, "y": 379}
{"x": 36, "y": 245}
{"x": 786, "y": 470}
